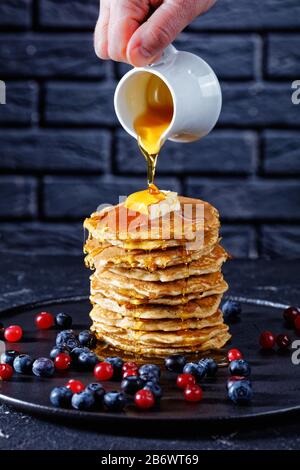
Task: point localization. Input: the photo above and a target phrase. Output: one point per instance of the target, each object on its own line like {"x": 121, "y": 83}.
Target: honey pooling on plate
{"x": 154, "y": 121}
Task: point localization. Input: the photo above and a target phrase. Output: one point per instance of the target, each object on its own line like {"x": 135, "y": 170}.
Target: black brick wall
{"x": 62, "y": 151}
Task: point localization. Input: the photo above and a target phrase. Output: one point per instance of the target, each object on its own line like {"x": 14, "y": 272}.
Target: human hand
{"x": 137, "y": 31}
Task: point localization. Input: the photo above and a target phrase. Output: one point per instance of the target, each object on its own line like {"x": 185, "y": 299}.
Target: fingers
{"x": 101, "y": 30}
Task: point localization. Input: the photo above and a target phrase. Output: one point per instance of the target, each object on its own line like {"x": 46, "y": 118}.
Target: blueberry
{"x": 97, "y": 390}
{"x": 231, "y": 308}
{"x": 150, "y": 377}
{"x": 131, "y": 384}
{"x": 23, "y": 364}
{"x": 61, "y": 397}
{"x": 155, "y": 388}
{"x": 239, "y": 367}
{"x": 149, "y": 369}
{"x": 43, "y": 367}
{"x": 75, "y": 353}
{"x": 72, "y": 343}
{"x": 240, "y": 392}
{"x": 210, "y": 365}
{"x": 83, "y": 401}
{"x": 57, "y": 350}
{"x": 87, "y": 360}
{"x": 175, "y": 363}
{"x": 63, "y": 320}
{"x": 237, "y": 378}
{"x": 63, "y": 336}
{"x": 117, "y": 364}
{"x": 87, "y": 338}
{"x": 114, "y": 401}
{"x": 198, "y": 370}
{"x": 8, "y": 357}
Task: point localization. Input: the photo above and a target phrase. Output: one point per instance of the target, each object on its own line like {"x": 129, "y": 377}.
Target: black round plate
{"x": 276, "y": 381}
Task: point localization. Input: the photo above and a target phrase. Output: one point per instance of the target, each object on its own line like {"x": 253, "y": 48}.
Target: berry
{"x": 117, "y": 364}
{"x": 210, "y": 365}
{"x": 129, "y": 373}
{"x": 239, "y": 367}
{"x": 150, "y": 377}
{"x": 129, "y": 366}
{"x": 86, "y": 338}
{"x": 8, "y": 357}
{"x": 155, "y": 388}
{"x": 87, "y": 360}
{"x": 83, "y": 400}
{"x": 23, "y": 364}
{"x": 97, "y": 390}
{"x": 56, "y": 350}
{"x": 236, "y": 378}
{"x": 240, "y": 392}
{"x": 103, "y": 371}
{"x": 147, "y": 369}
{"x": 290, "y": 314}
{"x": 44, "y": 321}
{"x": 131, "y": 385}
{"x": 297, "y": 323}
{"x": 231, "y": 308}
{"x": 234, "y": 354}
{"x": 267, "y": 340}
{"x": 6, "y": 371}
{"x": 114, "y": 401}
{"x": 175, "y": 363}
{"x": 195, "y": 369}
{"x": 72, "y": 343}
{"x": 75, "y": 353}
{"x": 183, "y": 380}
{"x": 13, "y": 333}
{"x": 144, "y": 399}
{"x": 63, "y": 336}
{"x": 61, "y": 397}
{"x": 63, "y": 320}
{"x": 193, "y": 393}
{"x": 43, "y": 367}
{"x": 283, "y": 341}
{"x": 62, "y": 361}
{"x": 75, "y": 386}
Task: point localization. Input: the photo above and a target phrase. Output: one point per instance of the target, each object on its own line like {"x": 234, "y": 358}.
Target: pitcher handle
{"x": 167, "y": 55}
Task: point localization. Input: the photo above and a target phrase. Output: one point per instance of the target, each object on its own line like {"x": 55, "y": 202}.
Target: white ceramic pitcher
{"x": 195, "y": 89}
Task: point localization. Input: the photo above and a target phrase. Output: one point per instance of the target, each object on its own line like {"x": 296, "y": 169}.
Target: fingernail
{"x": 145, "y": 52}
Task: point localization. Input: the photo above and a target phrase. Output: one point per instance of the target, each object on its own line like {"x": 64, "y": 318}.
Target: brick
{"x": 280, "y": 241}
{"x": 49, "y": 55}
{"x": 239, "y": 199}
{"x": 41, "y": 238}
{"x": 239, "y": 240}
{"x": 258, "y": 105}
{"x": 18, "y": 197}
{"x": 15, "y": 13}
{"x": 248, "y": 15}
{"x": 220, "y": 152}
{"x": 55, "y": 150}
{"x": 281, "y": 152}
{"x": 229, "y": 56}
{"x": 68, "y": 13}
{"x": 80, "y": 103}
{"x": 283, "y": 59}
{"x": 73, "y": 198}
{"x": 21, "y": 103}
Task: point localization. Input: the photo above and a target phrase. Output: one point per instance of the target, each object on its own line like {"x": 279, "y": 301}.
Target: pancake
{"x": 207, "y": 264}
{"x": 198, "y": 308}
{"x": 106, "y": 318}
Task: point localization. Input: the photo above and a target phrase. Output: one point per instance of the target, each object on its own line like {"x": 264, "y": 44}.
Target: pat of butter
{"x": 153, "y": 205}
{"x": 169, "y": 204}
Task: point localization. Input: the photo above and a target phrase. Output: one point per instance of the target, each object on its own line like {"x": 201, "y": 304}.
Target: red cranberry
{"x": 103, "y": 371}
{"x": 267, "y": 340}
{"x": 193, "y": 393}
{"x": 75, "y": 386}
{"x": 44, "y": 320}
{"x": 129, "y": 373}
{"x": 13, "y": 333}
{"x": 129, "y": 366}
{"x": 283, "y": 341}
{"x": 297, "y": 323}
{"x": 144, "y": 399}
{"x": 234, "y": 354}
{"x": 62, "y": 361}
{"x": 290, "y": 314}
{"x": 183, "y": 380}
{"x": 6, "y": 371}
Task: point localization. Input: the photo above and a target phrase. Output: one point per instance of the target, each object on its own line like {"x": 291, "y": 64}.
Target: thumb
{"x": 152, "y": 37}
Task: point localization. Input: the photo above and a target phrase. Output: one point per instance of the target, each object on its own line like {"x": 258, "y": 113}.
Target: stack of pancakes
{"x": 157, "y": 292}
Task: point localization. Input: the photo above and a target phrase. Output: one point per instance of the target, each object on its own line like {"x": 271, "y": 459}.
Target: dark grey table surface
{"x": 24, "y": 279}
